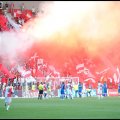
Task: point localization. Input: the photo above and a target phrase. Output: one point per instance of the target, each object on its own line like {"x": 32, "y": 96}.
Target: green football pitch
{"x": 77, "y": 108}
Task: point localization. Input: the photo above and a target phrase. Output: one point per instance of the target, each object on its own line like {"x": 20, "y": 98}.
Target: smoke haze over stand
{"x": 93, "y": 29}
{"x": 12, "y": 44}
{"x": 71, "y": 29}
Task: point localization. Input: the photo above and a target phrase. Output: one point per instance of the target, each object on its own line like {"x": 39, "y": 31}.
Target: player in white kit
{"x": 8, "y": 95}
{"x": 99, "y": 91}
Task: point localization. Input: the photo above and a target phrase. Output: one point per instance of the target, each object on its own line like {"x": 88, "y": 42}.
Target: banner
{"x": 113, "y": 92}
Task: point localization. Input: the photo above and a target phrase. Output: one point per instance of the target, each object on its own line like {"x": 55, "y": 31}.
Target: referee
{"x": 40, "y": 88}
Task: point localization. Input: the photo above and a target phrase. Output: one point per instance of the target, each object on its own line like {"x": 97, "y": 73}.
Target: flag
{"x": 33, "y": 61}
{"x": 88, "y": 73}
{"x": 39, "y": 73}
{"x": 80, "y": 68}
{"x": 26, "y": 74}
{"x": 4, "y": 70}
{"x": 34, "y": 57}
{"x": 116, "y": 76}
{"x": 28, "y": 15}
{"x": 18, "y": 12}
{"x": 40, "y": 61}
{"x": 53, "y": 71}
{"x": 4, "y": 80}
{"x": 90, "y": 79}
{"x": 56, "y": 74}
{"x": 12, "y": 5}
{"x": 23, "y": 72}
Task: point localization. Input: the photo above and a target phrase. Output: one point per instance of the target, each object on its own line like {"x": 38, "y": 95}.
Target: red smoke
{"x": 93, "y": 34}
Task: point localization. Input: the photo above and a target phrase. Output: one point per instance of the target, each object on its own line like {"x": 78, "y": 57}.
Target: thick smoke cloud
{"x": 79, "y": 29}
{"x": 68, "y": 31}
{"x": 12, "y": 45}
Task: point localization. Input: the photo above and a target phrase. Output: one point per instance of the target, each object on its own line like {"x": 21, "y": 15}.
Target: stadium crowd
{"x": 20, "y": 15}
{"x": 39, "y": 71}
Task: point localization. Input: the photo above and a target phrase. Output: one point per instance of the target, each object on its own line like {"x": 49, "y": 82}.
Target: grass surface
{"x": 78, "y": 108}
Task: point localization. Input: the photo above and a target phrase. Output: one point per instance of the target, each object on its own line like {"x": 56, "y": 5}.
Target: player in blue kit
{"x": 119, "y": 89}
{"x": 62, "y": 90}
{"x": 80, "y": 87}
{"x": 105, "y": 89}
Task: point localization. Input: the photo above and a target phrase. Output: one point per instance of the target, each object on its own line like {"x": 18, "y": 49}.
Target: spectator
{"x": 22, "y": 7}
{"x": 49, "y": 90}
{"x": 12, "y": 8}
{"x": 33, "y": 11}
{"x": 6, "y": 6}
{"x": 76, "y": 89}
{"x": 22, "y": 21}
{"x": 0, "y": 28}
{"x": 33, "y": 86}
{"x": 1, "y": 5}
